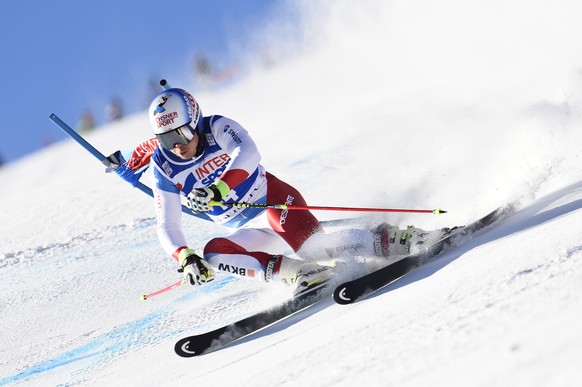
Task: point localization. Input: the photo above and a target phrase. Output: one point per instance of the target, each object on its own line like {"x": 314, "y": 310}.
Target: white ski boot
{"x": 303, "y": 275}
{"x": 390, "y": 241}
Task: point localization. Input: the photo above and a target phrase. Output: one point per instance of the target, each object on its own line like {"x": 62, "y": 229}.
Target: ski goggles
{"x": 182, "y": 135}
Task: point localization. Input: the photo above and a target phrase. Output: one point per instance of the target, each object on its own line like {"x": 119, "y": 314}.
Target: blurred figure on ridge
{"x": 202, "y": 72}
{"x": 114, "y": 110}
{"x": 86, "y": 122}
{"x": 208, "y": 76}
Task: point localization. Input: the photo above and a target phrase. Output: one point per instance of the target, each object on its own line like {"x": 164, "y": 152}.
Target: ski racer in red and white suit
{"x": 213, "y": 158}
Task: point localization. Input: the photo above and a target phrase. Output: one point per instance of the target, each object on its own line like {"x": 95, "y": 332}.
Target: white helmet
{"x": 171, "y": 114}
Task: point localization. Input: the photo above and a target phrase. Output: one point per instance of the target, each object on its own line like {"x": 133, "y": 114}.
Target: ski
{"x": 196, "y": 345}
{"x": 351, "y": 291}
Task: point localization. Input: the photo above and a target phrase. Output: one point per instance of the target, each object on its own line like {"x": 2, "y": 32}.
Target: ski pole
{"x": 90, "y": 148}
{"x": 167, "y": 288}
{"x": 101, "y": 157}
{"x": 437, "y": 211}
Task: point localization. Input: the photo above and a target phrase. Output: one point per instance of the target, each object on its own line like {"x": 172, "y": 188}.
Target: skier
{"x": 213, "y": 159}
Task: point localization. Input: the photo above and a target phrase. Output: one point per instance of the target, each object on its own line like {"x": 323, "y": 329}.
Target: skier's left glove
{"x": 195, "y": 269}
{"x": 115, "y": 162}
{"x": 199, "y": 199}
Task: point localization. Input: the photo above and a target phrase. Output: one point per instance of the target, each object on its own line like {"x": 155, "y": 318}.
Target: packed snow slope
{"x": 451, "y": 104}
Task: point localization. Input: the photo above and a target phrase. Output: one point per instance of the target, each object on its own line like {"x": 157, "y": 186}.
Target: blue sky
{"x": 64, "y": 57}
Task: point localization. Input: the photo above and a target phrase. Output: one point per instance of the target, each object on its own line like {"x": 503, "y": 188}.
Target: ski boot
{"x": 303, "y": 276}
{"x": 390, "y": 241}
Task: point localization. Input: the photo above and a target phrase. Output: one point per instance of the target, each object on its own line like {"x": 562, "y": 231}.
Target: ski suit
{"x": 260, "y": 234}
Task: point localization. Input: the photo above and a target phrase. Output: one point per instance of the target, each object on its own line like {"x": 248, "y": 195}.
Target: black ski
{"x": 198, "y": 344}
{"x": 351, "y": 291}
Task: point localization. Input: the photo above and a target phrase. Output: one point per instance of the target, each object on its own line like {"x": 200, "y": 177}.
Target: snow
{"x": 394, "y": 104}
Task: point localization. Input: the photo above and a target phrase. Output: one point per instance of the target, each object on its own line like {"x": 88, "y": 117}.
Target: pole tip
{"x": 439, "y": 211}
{"x": 143, "y": 297}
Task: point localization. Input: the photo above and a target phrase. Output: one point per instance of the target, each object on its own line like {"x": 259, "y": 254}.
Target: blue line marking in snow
{"x": 109, "y": 344}
{"x": 115, "y": 342}
{"x": 209, "y": 288}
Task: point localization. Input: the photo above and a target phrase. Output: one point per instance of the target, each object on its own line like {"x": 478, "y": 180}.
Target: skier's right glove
{"x": 199, "y": 199}
{"x": 195, "y": 269}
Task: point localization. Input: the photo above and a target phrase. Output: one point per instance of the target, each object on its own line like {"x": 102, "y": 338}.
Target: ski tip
{"x": 184, "y": 348}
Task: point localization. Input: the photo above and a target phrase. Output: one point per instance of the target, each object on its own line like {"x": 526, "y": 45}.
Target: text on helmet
{"x": 166, "y": 119}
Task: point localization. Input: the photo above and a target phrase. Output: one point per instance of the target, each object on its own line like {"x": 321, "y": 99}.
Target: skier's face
{"x": 187, "y": 151}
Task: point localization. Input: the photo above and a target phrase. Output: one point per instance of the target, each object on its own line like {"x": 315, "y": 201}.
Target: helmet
{"x": 172, "y": 109}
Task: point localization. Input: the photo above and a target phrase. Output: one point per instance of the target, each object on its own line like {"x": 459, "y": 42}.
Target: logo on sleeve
{"x": 210, "y": 139}
{"x": 232, "y": 134}
{"x": 167, "y": 169}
